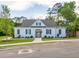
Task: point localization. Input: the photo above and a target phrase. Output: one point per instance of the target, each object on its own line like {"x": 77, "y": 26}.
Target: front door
{"x": 38, "y": 33}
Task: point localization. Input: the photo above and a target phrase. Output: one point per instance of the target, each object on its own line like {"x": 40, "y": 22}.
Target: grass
{"x": 3, "y": 37}
{"x": 3, "y": 47}
{"x": 19, "y": 40}
{"x": 45, "y": 39}
{"x": 16, "y": 40}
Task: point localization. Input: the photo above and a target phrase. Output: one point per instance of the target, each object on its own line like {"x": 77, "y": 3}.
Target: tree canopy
{"x": 5, "y": 13}
{"x": 6, "y": 24}
{"x": 68, "y": 12}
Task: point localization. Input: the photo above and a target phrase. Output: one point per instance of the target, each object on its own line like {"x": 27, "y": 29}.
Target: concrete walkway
{"x": 40, "y": 42}
{"x": 37, "y": 40}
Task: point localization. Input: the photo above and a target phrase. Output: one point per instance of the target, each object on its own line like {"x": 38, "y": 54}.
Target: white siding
{"x": 54, "y": 32}
{"x": 63, "y": 31}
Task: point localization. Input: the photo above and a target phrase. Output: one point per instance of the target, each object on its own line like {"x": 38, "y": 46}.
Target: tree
{"x": 5, "y": 13}
{"x": 6, "y": 27}
{"x": 67, "y": 11}
{"x": 60, "y": 22}
{"x": 53, "y": 14}
{"x": 50, "y": 17}
{"x": 6, "y": 24}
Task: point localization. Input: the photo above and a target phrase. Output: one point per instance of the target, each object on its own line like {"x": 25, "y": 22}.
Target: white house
{"x": 39, "y": 28}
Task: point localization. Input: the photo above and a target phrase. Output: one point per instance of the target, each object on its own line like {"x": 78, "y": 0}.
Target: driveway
{"x": 46, "y": 50}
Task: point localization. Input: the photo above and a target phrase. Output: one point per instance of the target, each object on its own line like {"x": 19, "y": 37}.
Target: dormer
{"x": 38, "y": 23}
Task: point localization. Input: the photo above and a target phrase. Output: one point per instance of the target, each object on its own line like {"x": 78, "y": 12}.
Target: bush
{"x": 31, "y": 36}
{"x": 52, "y": 36}
{"x": 57, "y": 35}
{"x": 49, "y": 37}
{"x": 26, "y": 37}
{"x": 45, "y": 36}
{"x": 22, "y": 37}
{"x": 2, "y": 34}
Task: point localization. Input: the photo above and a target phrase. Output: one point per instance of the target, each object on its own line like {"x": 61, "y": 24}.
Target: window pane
{"x": 36, "y": 23}
{"x": 50, "y": 31}
{"x": 39, "y": 23}
{"x": 29, "y": 31}
{"x": 46, "y": 31}
{"x": 18, "y": 31}
{"x": 59, "y": 31}
{"x": 26, "y": 31}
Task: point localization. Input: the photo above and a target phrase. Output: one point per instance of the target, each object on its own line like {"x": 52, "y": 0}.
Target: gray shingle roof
{"x": 49, "y": 23}
{"x": 28, "y": 23}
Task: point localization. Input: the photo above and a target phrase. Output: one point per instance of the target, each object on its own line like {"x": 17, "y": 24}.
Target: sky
{"x": 32, "y": 8}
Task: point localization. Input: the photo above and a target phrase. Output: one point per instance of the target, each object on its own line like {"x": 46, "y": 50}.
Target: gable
{"x": 38, "y": 23}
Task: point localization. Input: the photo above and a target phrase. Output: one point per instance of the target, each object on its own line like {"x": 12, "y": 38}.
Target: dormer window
{"x": 39, "y": 23}
{"x": 36, "y": 23}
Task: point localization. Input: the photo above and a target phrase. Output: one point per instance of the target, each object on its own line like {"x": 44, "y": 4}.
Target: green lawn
{"x": 45, "y": 39}
{"x": 16, "y": 40}
{"x": 3, "y": 37}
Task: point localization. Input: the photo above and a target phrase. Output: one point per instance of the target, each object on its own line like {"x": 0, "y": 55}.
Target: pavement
{"x": 62, "y": 49}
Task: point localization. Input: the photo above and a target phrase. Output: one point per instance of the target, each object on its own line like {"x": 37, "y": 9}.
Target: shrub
{"x": 31, "y": 36}
{"x": 49, "y": 37}
{"x": 45, "y": 36}
{"x": 52, "y": 36}
{"x": 26, "y": 37}
{"x": 22, "y": 37}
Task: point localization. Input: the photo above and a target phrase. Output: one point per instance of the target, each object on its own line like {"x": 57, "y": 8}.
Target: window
{"x": 48, "y": 31}
{"x": 36, "y": 23}
{"x": 59, "y": 31}
{"x": 39, "y": 23}
{"x": 18, "y": 31}
{"x": 26, "y": 31}
{"x": 29, "y": 31}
